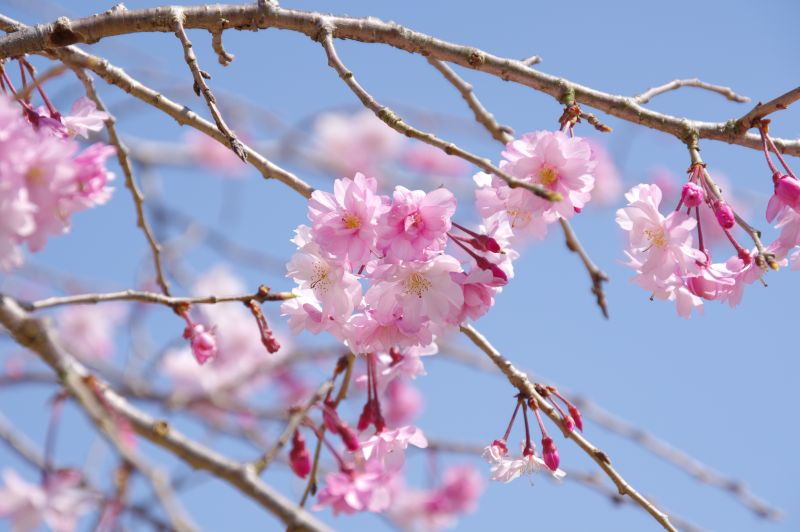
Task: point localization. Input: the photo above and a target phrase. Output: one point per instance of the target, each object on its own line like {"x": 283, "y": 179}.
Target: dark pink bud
{"x": 500, "y": 278}
{"x": 550, "y": 453}
{"x": 299, "y": 458}
{"x": 366, "y": 417}
{"x": 349, "y": 437}
{"x": 577, "y": 210}
{"x": 724, "y": 214}
{"x": 203, "y": 342}
{"x": 501, "y": 444}
{"x": 569, "y": 423}
{"x": 485, "y": 243}
{"x": 692, "y": 195}
{"x": 331, "y": 419}
{"x": 575, "y": 414}
{"x": 788, "y": 190}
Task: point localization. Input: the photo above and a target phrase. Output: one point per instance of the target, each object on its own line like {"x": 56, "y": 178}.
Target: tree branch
{"x": 520, "y": 381}
{"x": 676, "y": 84}
{"x": 64, "y": 31}
{"x": 34, "y": 334}
{"x": 395, "y": 122}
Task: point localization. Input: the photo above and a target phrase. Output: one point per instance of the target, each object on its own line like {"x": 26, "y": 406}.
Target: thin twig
{"x": 36, "y": 335}
{"x": 201, "y": 87}
{"x": 294, "y": 421}
{"x": 152, "y": 297}
{"x": 130, "y": 182}
{"x": 676, "y": 84}
{"x": 597, "y": 275}
{"x": 395, "y": 122}
{"x": 761, "y": 110}
{"x": 503, "y": 134}
{"x": 520, "y": 381}
{"x": 223, "y": 57}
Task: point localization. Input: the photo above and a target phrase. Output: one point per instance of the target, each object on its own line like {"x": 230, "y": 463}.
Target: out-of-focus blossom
{"x": 430, "y": 160}
{"x": 88, "y": 330}
{"x": 212, "y": 154}
{"x": 84, "y": 117}
{"x": 354, "y": 491}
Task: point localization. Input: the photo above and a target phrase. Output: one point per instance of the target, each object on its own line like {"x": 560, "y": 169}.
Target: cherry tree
{"x": 287, "y": 368}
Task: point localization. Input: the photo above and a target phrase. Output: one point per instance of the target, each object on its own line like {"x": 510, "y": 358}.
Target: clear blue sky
{"x": 721, "y": 386}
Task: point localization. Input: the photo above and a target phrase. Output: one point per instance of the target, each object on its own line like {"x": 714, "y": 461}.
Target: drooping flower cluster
{"x": 412, "y": 289}
{"x": 44, "y": 178}
{"x": 554, "y": 160}
{"x": 673, "y": 266}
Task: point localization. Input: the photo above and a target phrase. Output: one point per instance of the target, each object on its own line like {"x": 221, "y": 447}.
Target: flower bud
{"x": 724, "y": 214}
{"x": 500, "y": 277}
{"x": 550, "y": 453}
{"x": 788, "y": 190}
{"x": 299, "y": 458}
{"x": 349, "y": 437}
{"x": 485, "y": 243}
{"x": 576, "y": 416}
{"x": 692, "y": 195}
{"x": 569, "y": 423}
{"x": 203, "y": 342}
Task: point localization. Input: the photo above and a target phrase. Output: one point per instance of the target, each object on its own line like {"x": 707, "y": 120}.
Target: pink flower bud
{"x": 576, "y": 416}
{"x": 692, "y": 195}
{"x": 500, "y": 278}
{"x": 724, "y": 214}
{"x": 299, "y": 458}
{"x": 550, "y": 453}
{"x": 485, "y": 243}
{"x": 349, "y": 437}
{"x": 788, "y": 190}
{"x": 569, "y": 423}
{"x": 203, "y": 342}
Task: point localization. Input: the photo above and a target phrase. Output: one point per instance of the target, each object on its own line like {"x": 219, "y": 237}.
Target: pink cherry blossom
{"x": 88, "y": 331}
{"x": 711, "y": 283}
{"x": 478, "y": 293}
{"x": 439, "y": 507}
{"x": 387, "y": 446}
{"x": 427, "y": 159}
{"x": 345, "y": 223}
{"x": 416, "y": 224}
{"x": 505, "y": 468}
{"x": 497, "y": 202}
{"x": 355, "y": 143}
{"x": 607, "y": 180}
{"x": 84, "y": 117}
{"x": 558, "y": 162}
{"x": 403, "y": 403}
{"x": 59, "y": 503}
{"x": 354, "y": 491}
{"x": 212, "y": 154}
{"x": 414, "y": 294}
{"x": 787, "y": 194}
{"x": 664, "y": 244}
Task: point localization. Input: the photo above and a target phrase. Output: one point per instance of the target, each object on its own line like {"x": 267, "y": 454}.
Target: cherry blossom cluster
{"x": 505, "y": 468}
{"x": 413, "y": 290}
{"x": 45, "y": 176}
{"x": 672, "y": 265}
{"x": 555, "y": 160}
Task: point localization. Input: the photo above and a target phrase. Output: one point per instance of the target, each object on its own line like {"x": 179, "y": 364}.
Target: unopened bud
{"x": 724, "y": 214}
{"x": 576, "y": 416}
{"x": 788, "y": 190}
{"x": 692, "y": 195}
{"x": 349, "y": 437}
{"x": 299, "y": 458}
{"x": 485, "y": 243}
{"x": 203, "y": 342}
{"x": 569, "y": 423}
{"x": 550, "y": 453}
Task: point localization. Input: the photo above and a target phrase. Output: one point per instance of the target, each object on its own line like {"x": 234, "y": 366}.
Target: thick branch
{"x": 520, "y": 381}
{"x": 64, "y": 31}
{"x": 676, "y": 84}
{"x": 36, "y": 336}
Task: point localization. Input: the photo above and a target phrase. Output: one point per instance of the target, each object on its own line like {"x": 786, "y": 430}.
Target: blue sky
{"x": 719, "y": 386}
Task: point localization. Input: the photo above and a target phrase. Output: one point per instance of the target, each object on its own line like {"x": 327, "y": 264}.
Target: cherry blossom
{"x": 352, "y": 491}
{"x": 505, "y": 469}
{"x": 59, "y": 503}
{"x": 84, "y": 117}
{"x": 427, "y": 159}
{"x": 345, "y": 223}
{"x": 416, "y": 224}
{"x": 387, "y": 446}
{"x": 210, "y": 153}
{"x": 88, "y": 330}
{"x": 355, "y": 143}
